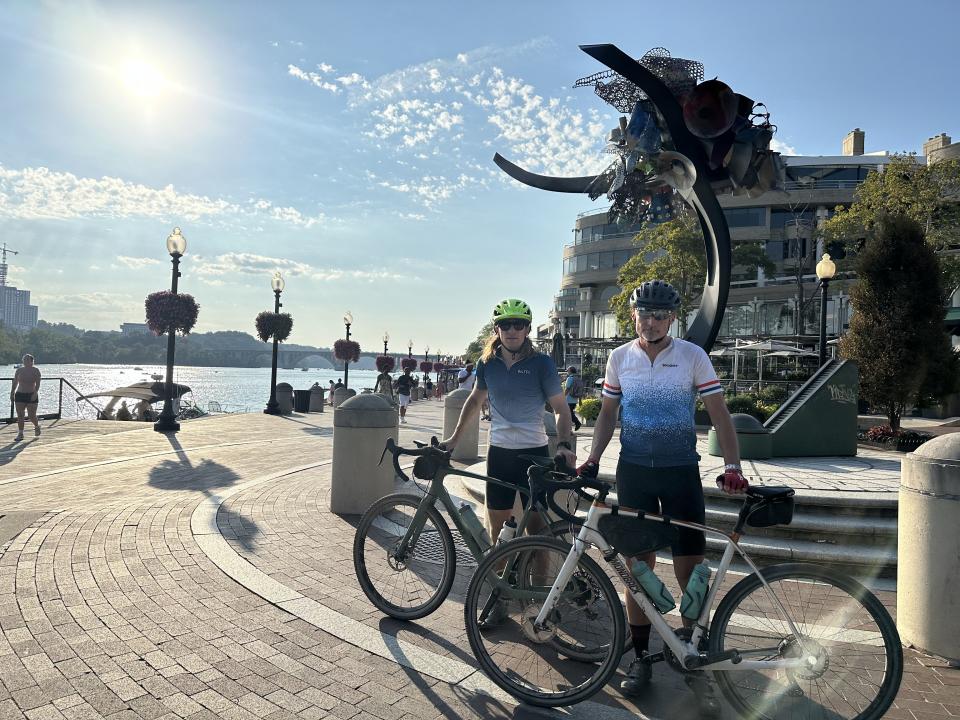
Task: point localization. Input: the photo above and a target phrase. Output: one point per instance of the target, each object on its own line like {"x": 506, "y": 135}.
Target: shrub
{"x": 426, "y": 366}
{"x": 408, "y": 363}
{"x": 385, "y": 363}
{"x": 774, "y": 395}
{"x": 589, "y": 408}
{"x": 438, "y": 367}
{"x": 742, "y": 404}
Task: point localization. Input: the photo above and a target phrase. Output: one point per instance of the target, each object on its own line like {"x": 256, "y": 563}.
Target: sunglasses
{"x": 658, "y": 315}
{"x": 515, "y": 324}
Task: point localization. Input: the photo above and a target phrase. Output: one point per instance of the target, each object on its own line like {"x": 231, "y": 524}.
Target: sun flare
{"x": 142, "y": 78}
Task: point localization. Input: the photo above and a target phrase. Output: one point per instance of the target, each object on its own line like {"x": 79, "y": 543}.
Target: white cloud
{"x": 314, "y": 78}
{"x": 40, "y": 193}
{"x": 81, "y": 307}
{"x": 223, "y": 268}
{"x": 136, "y": 263}
{"x": 782, "y": 147}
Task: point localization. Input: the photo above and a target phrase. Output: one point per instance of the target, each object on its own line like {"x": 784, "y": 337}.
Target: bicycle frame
{"x": 437, "y": 492}
{"x": 685, "y": 651}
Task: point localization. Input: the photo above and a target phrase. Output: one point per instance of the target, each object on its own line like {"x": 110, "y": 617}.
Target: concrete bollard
{"x": 285, "y": 398}
{"x": 316, "y": 399}
{"x": 361, "y": 427}
{"x": 341, "y": 395}
{"x": 467, "y": 448}
{"x": 550, "y": 425}
{"x": 928, "y": 548}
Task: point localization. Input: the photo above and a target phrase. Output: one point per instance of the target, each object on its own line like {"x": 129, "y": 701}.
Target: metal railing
{"x": 44, "y": 400}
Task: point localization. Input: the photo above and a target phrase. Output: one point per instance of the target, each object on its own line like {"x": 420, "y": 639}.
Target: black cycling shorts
{"x": 505, "y": 464}
{"x": 673, "y": 491}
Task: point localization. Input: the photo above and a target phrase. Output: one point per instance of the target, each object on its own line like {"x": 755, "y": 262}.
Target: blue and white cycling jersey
{"x": 658, "y": 398}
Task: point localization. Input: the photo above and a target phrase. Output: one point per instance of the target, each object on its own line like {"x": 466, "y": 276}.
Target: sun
{"x": 142, "y": 78}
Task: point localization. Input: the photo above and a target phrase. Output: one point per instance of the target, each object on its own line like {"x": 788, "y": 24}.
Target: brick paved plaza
{"x": 202, "y": 575}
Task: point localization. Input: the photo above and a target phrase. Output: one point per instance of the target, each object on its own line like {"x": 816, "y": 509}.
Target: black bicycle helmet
{"x": 655, "y": 295}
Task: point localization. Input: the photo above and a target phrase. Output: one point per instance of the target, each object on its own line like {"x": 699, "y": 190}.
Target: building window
{"x": 746, "y": 217}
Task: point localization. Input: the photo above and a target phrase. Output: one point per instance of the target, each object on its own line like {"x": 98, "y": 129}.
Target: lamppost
{"x": 347, "y": 321}
{"x": 167, "y": 422}
{"x": 273, "y": 407}
{"x": 386, "y": 339}
{"x": 426, "y": 354}
{"x": 826, "y": 269}
{"x": 410, "y": 348}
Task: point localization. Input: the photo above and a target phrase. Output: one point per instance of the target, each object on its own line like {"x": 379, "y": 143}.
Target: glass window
{"x": 593, "y": 261}
{"x": 606, "y": 260}
{"x": 779, "y": 218}
{"x": 746, "y": 217}
{"x": 621, "y": 256}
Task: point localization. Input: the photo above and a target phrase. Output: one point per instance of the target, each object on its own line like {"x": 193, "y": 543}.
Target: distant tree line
{"x": 64, "y": 343}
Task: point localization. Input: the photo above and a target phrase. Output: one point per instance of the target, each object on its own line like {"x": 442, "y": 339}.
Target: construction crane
{"x": 3, "y": 263}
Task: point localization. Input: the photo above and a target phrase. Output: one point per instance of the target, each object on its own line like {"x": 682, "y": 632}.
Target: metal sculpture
{"x": 659, "y": 154}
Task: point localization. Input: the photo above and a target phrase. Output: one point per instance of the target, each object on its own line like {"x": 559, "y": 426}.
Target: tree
{"x": 897, "y": 336}
{"x": 475, "y": 348}
{"x": 928, "y": 194}
{"x": 674, "y": 251}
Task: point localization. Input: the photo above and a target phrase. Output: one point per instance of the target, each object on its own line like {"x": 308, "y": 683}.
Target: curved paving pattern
{"x": 111, "y": 607}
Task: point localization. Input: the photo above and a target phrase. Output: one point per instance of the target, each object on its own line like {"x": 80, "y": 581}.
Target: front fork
{"x": 563, "y": 577}
{"x": 410, "y": 537}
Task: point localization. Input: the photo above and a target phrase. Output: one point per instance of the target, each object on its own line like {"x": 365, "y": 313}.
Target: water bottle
{"x": 653, "y": 586}
{"x": 695, "y": 593}
{"x": 474, "y": 525}
{"x": 509, "y": 530}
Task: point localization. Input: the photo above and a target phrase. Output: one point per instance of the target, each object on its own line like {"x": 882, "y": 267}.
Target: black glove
{"x": 590, "y": 469}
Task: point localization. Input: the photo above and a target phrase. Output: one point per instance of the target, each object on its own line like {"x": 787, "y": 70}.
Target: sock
{"x": 640, "y": 634}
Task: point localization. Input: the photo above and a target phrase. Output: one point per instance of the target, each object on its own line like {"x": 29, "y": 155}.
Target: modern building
{"x": 134, "y": 329}
{"x": 16, "y": 312}
{"x": 784, "y": 223}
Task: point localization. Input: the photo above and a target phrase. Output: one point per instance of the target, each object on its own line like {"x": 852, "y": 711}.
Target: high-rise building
{"x": 16, "y": 312}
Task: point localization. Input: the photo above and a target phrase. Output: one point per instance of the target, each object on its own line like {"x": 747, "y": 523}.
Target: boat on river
{"x": 147, "y": 395}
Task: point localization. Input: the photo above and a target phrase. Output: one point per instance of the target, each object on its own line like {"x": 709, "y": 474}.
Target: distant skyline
{"x": 352, "y": 150}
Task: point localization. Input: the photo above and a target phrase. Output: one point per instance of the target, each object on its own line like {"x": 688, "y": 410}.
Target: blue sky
{"x": 349, "y": 145}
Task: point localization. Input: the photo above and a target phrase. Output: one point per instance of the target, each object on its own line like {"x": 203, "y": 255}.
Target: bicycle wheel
{"x": 534, "y": 664}
{"x": 415, "y": 585}
{"x": 856, "y": 657}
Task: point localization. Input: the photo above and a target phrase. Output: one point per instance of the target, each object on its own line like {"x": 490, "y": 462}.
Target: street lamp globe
{"x": 176, "y": 243}
{"x": 386, "y": 336}
{"x": 277, "y": 282}
{"x": 826, "y": 268}
{"x": 348, "y": 318}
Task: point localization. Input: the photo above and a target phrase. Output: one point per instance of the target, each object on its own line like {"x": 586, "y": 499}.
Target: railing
{"x": 822, "y": 185}
{"x": 45, "y": 402}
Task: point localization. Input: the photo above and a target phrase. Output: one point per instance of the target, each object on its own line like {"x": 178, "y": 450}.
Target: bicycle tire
{"x": 573, "y": 681}
{"x": 438, "y": 553}
{"x": 838, "y": 595}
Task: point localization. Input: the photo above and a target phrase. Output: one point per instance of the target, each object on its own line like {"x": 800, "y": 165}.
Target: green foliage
{"x": 896, "y": 334}
{"x": 475, "y": 348}
{"x": 674, "y": 251}
{"x": 589, "y": 375}
{"x": 752, "y": 404}
{"x": 589, "y": 408}
{"x": 774, "y": 394}
{"x": 927, "y": 194}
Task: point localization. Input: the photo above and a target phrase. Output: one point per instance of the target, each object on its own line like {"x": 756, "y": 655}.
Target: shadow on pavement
{"x": 205, "y": 477}
{"x": 397, "y": 628}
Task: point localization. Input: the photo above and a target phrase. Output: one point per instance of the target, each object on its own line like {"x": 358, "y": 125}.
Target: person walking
{"x": 404, "y": 386}
{"x": 657, "y": 379}
{"x": 25, "y": 395}
{"x": 573, "y": 387}
{"x": 384, "y": 384}
{"x": 517, "y": 381}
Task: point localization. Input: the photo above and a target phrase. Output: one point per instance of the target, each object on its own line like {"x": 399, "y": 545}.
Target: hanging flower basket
{"x": 437, "y": 367}
{"x": 426, "y": 366}
{"x": 271, "y": 325}
{"x": 408, "y": 363}
{"x": 346, "y": 350}
{"x": 166, "y": 311}
{"x": 386, "y": 363}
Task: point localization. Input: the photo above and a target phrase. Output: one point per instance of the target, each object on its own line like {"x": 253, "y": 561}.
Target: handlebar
{"x": 422, "y": 449}
{"x": 547, "y": 476}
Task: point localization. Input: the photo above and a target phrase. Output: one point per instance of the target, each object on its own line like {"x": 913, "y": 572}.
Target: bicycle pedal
{"x": 654, "y": 658}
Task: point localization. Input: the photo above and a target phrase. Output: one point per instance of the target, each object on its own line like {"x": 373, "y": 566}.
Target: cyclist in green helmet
{"x": 517, "y": 381}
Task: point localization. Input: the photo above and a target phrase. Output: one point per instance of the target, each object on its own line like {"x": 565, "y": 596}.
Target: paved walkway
{"x": 202, "y": 576}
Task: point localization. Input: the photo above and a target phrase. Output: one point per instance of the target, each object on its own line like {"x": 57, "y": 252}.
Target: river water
{"x": 236, "y": 389}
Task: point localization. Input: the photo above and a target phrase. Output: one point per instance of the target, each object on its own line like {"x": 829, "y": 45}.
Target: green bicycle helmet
{"x": 512, "y": 309}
